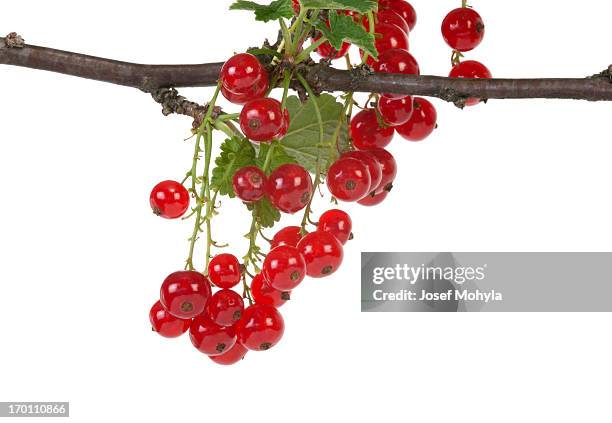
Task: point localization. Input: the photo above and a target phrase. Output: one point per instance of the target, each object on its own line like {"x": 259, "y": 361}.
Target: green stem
{"x": 305, "y": 54}
{"x": 286, "y": 37}
{"x": 286, "y": 82}
{"x": 296, "y": 28}
{"x": 371, "y": 31}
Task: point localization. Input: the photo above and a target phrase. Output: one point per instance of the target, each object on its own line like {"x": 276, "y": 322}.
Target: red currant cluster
{"x": 463, "y": 30}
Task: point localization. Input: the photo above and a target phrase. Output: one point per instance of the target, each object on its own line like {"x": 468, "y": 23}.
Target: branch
{"x": 150, "y": 78}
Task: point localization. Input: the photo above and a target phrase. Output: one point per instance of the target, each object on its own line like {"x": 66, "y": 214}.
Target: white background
{"x": 82, "y": 256}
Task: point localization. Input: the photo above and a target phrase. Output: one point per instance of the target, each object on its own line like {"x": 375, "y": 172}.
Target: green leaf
{"x": 265, "y": 213}
{"x": 302, "y": 139}
{"x": 271, "y": 12}
{"x": 235, "y": 153}
{"x": 279, "y": 156}
{"x": 343, "y": 28}
{"x": 361, "y": 6}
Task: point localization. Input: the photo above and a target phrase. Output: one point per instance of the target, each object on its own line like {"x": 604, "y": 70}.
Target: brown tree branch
{"x": 150, "y": 78}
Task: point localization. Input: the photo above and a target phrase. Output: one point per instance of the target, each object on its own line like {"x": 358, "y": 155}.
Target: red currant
{"x": 255, "y": 92}
{"x": 264, "y": 120}
{"x": 348, "y": 179}
{"x": 374, "y": 168}
{"x": 388, "y": 16}
{"x": 374, "y": 199}
{"x": 249, "y": 183}
{"x": 338, "y": 223}
{"x": 388, "y": 37}
{"x": 210, "y": 338}
{"x": 397, "y": 61}
{"x": 224, "y": 271}
{"x": 225, "y": 307}
{"x": 241, "y": 72}
{"x": 404, "y": 9}
{"x": 367, "y": 132}
{"x": 296, "y": 6}
{"x": 284, "y": 268}
{"x": 421, "y": 123}
{"x": 264, "y": 294}
{"x": 395, "y": 111}
{"x": 290, "y": 235}
{"x": 289, "y": 188}
{"x": 260, "y": 328}
{"x": 231, "y": 356}
{"x": 470, "y": 69}
{"x": 322, "y": 252}
{"x": 185, "y": 294}
{"x": 463, "y": 29}
{"x": 389, "y": 168}
{"x": 166, "y": 324}
{"x": 327, "y": 51}
{"x": 169, "y": 199}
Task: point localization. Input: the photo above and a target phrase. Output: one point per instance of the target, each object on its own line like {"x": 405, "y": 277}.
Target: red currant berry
{"x": 284, "y": 268}
{"x": 241, "y": 72}
{"x": 210, "y": 338}
{"x": 296, "y": 6}
{"x": 395, "y": 111}
{"x": 264, "y": 120}
{"x": 249, "y": 183}
{"x": 185, "y": 294}
{"x": 289, "y": 188}
{"x": 374, "y": 168}
{"x": 169, "y": 199}
{"x": 388, "y": 37}
{"x": 225, "y": 307}
{"x": 166, "y": 324}
{"x": 404, "y": 9}
{"x": 373, "y": 199}
{"x": 388, "y": 16}
{"x": 421, "y": 123}
{"x": 367, "y": 132}
{"x": 348, "y": 179}
{"x": 396, "y": 61}
{"x": 327, "y": 51}
{"x": 463, "y": 29}
{"x": 224, "y": 271}
{"x": 389, "y": 168}
{"x": 231, "y": 356}
{"x": 322, "y": 252}
{"x": 255, "y": 92}
{"x": 260, "y": 328}
{"x": 264, "y": 294}
{"x": 473, "y": 70}
{"x": 290, "y": 235}
{"x": 338, "y": 223}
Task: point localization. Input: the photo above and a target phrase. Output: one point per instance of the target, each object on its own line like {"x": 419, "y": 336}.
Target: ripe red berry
{"x": 260, "y": 328}
{"x": 289, "y": 235}
{"x": 296, "y": 6}
{"x": 422, "y": 122}
{"x": 388, "y": 16}
{"x": 241, "y": 72}
{"x": 396, "y": 61}
{"x": 388, "y": 37}
{"x": 403, "y": 8}
{"x": 473, "y": 70}
{"x": 367, "y": 132}
{"x": 264, "y": 294}
{"x": 395, "y": 111}
{"x": 166, "y": 324}
{"x": 264, "y": 120}
{"x": 348, "y": 179}
{"x": 327, "y": 51}
{"x": 225, "y": 307}
{"x": 338, "y": 223}
{"x": 185, "y": 294}
{"x": 374, "y": 168}
{"x": 373, "y": 199}
{"x": 389, "y": 168}
{"x": 210, "y": 338}
{"x": 224, "y": 271}
{"x": 322, "y": 252}
{"x": 289, "y": 188}
{"x": 249, "y": 183}
{"x": 169, "y": 199}
{"x": 231, "y": 356}
{"x": 284, "y": 268}
{"x": 255, "y": 92}
{"x": 463, "y": 29}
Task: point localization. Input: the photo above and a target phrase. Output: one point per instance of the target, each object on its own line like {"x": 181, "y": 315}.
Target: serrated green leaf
{"x": 265, "y": 213}
{"x": 361, "y": 6}
{"x": 343, "y": 28}
{"x": 302, "y": 139}
{"x": 235, "y": 153}
{"x": 279, "y": 156}
{"x": 270, "y": 12}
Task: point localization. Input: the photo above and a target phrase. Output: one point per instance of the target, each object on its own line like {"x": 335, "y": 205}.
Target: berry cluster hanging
{"x": 272, "y": 148}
